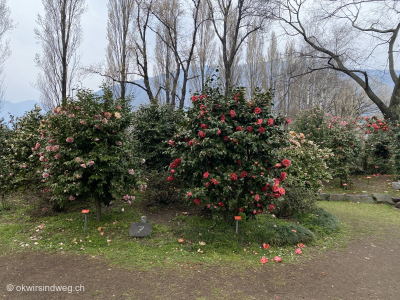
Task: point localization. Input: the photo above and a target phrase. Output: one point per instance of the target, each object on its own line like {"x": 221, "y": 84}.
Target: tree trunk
{"x": 98, "y": 207}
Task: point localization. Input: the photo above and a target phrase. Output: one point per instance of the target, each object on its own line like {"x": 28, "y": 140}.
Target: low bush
{"x": 320, "y": 221}
{"x": 298, "y": 200}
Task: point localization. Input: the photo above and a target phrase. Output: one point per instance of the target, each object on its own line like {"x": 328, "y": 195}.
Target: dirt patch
{"x": 367, "y": 269}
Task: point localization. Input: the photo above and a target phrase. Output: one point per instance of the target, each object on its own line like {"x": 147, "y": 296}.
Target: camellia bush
{"x": 84, "y": 153}
{"x": 309, "y": 162}
{"x": 228, "y": 154}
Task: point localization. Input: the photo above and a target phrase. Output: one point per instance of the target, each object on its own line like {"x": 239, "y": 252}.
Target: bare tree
{"x": 60, "y": 35}
{"x": 120, "y": 27}
{"x": 350, "y": 37}
{"x": 6, "y": 24}
{"x": 233, "y": 22}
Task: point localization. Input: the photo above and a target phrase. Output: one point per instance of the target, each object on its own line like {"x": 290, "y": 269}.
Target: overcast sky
{"x": 20, "y": 69}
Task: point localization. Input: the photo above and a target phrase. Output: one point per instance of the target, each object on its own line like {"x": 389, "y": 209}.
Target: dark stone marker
{"x": 140, "y": 229}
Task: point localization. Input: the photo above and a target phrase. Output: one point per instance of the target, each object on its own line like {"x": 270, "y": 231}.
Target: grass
{"x": 360, "y": 184}
{"x": 207, "y": 242}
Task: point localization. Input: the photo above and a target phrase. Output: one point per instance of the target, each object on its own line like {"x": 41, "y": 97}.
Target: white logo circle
{"x": 10, "y": 287}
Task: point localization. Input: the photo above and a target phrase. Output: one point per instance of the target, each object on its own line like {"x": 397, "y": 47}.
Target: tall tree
{"x": 60, "y": 35}
{"x": 6, "y": 24}
{"x": 355, "y": 37}
{"x": 233, "y": 22}
{"x": 120, "y": 56}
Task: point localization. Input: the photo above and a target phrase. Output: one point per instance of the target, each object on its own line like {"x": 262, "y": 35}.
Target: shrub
{"x": 298, "y": 200}
{"x": 85, "y": 153}
{"x": 228, "y": 153}
{"x": 153, "y": 126}
{"x": 309, "y": 162}
{"x": 320, "y": 221}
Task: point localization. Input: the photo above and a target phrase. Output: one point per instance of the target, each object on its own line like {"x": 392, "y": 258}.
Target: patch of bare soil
{"x": 367, "y": 269}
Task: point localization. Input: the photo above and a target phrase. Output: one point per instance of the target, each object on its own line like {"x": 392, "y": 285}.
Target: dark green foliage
{"x": 153, "y": 126}
{"x": 298, "y": 200}
{"x": 320, "y": 221}
{"x": 159, "y": 191}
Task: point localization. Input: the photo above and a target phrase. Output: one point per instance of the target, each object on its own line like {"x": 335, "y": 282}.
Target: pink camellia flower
{"x": 78, "y": 159}
{"x": 261, "y": 129}
{"x": 196, "y": 201}
{"x": 283, "y": 176}
{"x": 232, "y": 113}
{"x": 234, "y": 176}
{"x": 282, "y": 191}
{"x": 298, "y": 251}
{"x": 83, "y": 122}
{"x": 205, "y": 175}
{"x": 219, "y": 132}
{"x": 126, "y": 197}
{"x": 286, "y": 162}
{"x": 270, "y": 121}
{"x": 24, "y": 166}
{"x": 202, "y": 97}
{"x": 78, "y": 176}
{"x": 223, "y": 118}
{"x": 117, "y": 114}
{"x": 83, "y": 166}
{"x": 300, "y": 245}
{"x": 257, "y": 197}
{"x": 266, "y": 246}
{"x": 71, "y": 198}
{"x": 171, "y": 142}
{"x": 288, "y": 121}
{"x": 51, "y": 141}
{"x": 71, "y": 115}
{"x": 257, "y": 110}
{"x": 119, "y": 107}
{"x": 119, "y": 143}
{"x": 37, "y": 146}
{"x": 107, "y": 114}
{"x": 11, "y": 174}
{"x": 105, "y": 121}
{"x": 259, "y": 121}
{"x": 90, "y": 163}
{"x": 55, "y": 148}
{"x": 131, "y": 172}
{"x": 172, "y": 171}
{"x": 57, "y": 156}
{"x": 263, "y": 260}
{"x": 45, "y": 175}
{"x": 202, "y": 134}
{"x": 189, "y": 194}
{"x": 277, "y": 258}
{"x": 271, "y": 207}
{"x": 170, "y": 178}
{"x": 69, "y": 139}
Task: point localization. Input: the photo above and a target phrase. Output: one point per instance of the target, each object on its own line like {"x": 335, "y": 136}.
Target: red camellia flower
{"x": 239, "y": 128}
{"x": 223, "y": 118}
{"x": 205, "y": 175}
{"x": 270, "y": 121}
{"x": 257, "y": 110}
{"x": 170, "y": 178}
{"x": 177, "y": 161}
{"x": 271, "y": 207}
{"x": 286, "y": 162}
{"x": 171, "y": 142}
{"x": 202, "y": 134}
{"x": 282, "y": 191}
{"x": 259, "y": 121}
{"x": 232, "y": 113}
{"x": 275, "y": 188}
{"x": 264, "y": 189}
{"x": 220, "y": 204}
{"x": 234, "y": 176}
{"x": 261, "y": 129}
{"x": 225, "y": 138}
{"x": 214, "y": 181}
{"x": 263, "y": 260}
{"x": 241, "y": 209}
{"x": 202, "y": 97}
{"x": 219, "y": 132}
{"x": 283, "y": 176}
{"x": 249, "y": 128}
{"x": 266, "y": 246}
{"x": 204, "y": 126}
{"x": 191, "y": 143}
{"x": 287, "y": 121}
{"x": 196, "y": 201}
{"x": 195, "y": 98}
{"x": 173, "y": 165}
{"x": 243, "y": 174}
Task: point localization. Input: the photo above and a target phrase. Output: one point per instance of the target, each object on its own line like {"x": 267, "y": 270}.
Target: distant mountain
{"x": 8, "y": 108}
